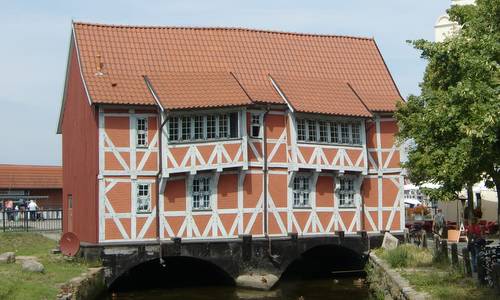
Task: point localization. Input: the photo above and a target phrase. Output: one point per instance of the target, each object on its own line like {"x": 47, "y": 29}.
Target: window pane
{"x": 198, "y": 127}
{"x": 334, "y": 132}
{"x": 323, "y": 131}
{"x": 356, "y": 136}
{"x": 311, "y": 127}
{"x": 344, "y": 130}
{"x": 211, "y": 126}
{"x": 301, "y": 129}
{"x": 186, "y": 128}
{"x": 173, "y": 129}
{"x": 223, "y": 126}
{"x": 255, "y": 125}
{"x": 142, "y": 132}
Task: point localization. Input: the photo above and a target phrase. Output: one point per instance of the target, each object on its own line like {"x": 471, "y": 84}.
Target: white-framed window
{"x": 256, "y": 125}
{"x": 301, "y": 129}
{"x": 184, "y": 128}
{"x": 142, "y": 132}
{"x": 173, "y": 129}
{"x": 201, "y": 192}
{"x": 143, "y": 200}
{"x": 346, "y": 191}
{"x": 198, "y": 128}
{"x": 301, "y": 190}
{"x": 324, "y": 131}
{"x": 344, "y": 133}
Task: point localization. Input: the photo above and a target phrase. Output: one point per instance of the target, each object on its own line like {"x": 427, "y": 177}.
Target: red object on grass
{"x": 70, "y": 244}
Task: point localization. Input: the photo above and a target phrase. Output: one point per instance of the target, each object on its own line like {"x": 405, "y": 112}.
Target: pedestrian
{"x": 16, "y": 213}
{"x": 474, "y": 241}
{"x": 32, "y": 207}
{"x": 439, "y": 223}
{"x": 9, "y": 207}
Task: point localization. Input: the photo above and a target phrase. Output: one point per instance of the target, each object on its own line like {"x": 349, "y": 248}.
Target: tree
{"x": 455, "y": 122}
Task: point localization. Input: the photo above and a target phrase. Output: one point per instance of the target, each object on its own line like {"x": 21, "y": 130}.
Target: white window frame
{"x": 197, "y": 180}
{"x": 343, "y": 194}
{"x": 256, "y": 122}
{"x": 189, "y": 129}
{"x": 330, "y": 132}
{"x": 140, "y": 198}
{"x": 299, "y": 190}
{"x": 142, "y": 133}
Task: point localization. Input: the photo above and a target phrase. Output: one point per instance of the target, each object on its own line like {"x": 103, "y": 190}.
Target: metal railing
{"x": 39, "y": 220}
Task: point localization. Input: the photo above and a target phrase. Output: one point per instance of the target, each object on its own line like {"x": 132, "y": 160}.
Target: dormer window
{"x": 323, "y": 131}
{"x": 142, "y": 132}
{"x": 202, "y": 127}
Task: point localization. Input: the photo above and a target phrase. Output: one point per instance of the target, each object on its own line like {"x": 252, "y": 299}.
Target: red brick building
{"x": 42, "y": 183}
{"x": 262, "y": 133}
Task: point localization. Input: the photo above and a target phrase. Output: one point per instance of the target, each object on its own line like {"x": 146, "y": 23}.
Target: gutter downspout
{"x": 159, "y": 174}
{"x": 265, "y": 171}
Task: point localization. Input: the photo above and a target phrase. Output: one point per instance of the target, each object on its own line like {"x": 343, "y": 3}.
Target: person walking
{"x": 439, "y": 223}
{"x": 9, "y": 207}
{"x": 32, "y": 207}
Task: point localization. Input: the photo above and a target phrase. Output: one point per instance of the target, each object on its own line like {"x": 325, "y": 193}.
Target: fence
{"x": 40, "y": 220}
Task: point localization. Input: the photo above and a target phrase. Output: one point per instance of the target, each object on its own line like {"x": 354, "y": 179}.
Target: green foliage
{"x": 455, "y": 122}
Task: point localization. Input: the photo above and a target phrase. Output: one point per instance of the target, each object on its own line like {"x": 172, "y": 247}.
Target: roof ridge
{"x": 224, "y": 28}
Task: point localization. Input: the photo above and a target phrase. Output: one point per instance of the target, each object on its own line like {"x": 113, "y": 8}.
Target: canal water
{"x": 314, "y": 289}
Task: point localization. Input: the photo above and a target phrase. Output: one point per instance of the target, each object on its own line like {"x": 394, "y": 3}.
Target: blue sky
{"x": 35, "y": 34}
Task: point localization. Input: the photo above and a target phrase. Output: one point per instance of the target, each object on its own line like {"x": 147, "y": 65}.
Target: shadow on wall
{"x": 325, "y": 261}
{"x": 179, "y": 271}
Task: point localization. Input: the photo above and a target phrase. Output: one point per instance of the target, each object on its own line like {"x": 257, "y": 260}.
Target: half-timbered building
{"x": 212, "y": 133}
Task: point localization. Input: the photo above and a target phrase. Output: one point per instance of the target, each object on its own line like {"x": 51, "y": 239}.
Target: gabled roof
{"x": 30, "y": 177}
{"x": 178, "y": 60}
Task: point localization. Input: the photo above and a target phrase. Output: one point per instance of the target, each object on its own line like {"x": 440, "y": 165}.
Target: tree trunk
{"x": 470, "y": 203}
{"x": 496, "y": 180}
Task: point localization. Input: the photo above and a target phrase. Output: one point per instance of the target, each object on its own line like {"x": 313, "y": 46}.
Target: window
{"x": 173, "y": 129}
{"x": 311, "y": 130}
{"x": 301, "y": 190}
{"x": 328, "y": 132}
{"x": 143, "y": 201}
{"x": 211, "y": 127}
{"x": 356, "y": 136}
{"x": 334, "y": 132}
{"x": 201, "y": 192}
{"x": 186, "y": 128}
{"x": 323, "y": 131}
{"x": 142, "y": 132}
{"x": 223, "y": 126}
{"x": 301, "y": 130}
{"x": 255, "y": 125}
{"x": 344, "y": 133}
{"x": 346, "y": 192}
{"x": 203, "y": 127}
{"x": 198, "y": 128}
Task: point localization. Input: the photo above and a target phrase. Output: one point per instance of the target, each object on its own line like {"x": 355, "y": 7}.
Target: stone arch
{"x": 324, "y": 258}
{"x": 174, "y": 266}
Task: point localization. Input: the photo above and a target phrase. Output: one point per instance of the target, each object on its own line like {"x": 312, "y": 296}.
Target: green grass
{"x": 17, "y": 284}
{"x": 436, "y": 277}
{"x": 406, "y": 256}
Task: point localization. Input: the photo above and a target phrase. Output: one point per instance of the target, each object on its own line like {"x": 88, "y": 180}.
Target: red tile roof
{"x": 307, "y": 94}
{"x": 127, "y": 52}
{"x": 197, "y": 90}
{"x": 30, "y": 177}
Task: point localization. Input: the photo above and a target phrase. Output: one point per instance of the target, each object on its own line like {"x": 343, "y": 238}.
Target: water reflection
{"x": 334, "y": 288}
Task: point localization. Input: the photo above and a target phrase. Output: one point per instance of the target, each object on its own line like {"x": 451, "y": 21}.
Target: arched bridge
{"x": 236, "y": 257}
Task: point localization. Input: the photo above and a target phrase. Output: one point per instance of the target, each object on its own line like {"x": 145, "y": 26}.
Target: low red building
{"x": 262, "y": 133}
{"x": 41, "y": 183}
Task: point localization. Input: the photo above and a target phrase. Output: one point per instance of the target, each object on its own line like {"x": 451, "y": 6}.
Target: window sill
{"x": 347, "y": 207}
{"x": 302, "y": 207}
{"x": 142, "y": 147}
{"x": 143, "y": 212}
{"x": 200, "y": 209}
{"x": 190, "y": 142}
{"x": 329, "y": 144}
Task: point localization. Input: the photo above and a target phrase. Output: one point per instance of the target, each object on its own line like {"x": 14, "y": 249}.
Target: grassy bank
{"x": 437, "y": 278}
{"x": 17, "y": 284}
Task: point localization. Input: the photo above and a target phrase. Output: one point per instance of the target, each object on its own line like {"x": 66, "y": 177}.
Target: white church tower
{"x": 444, "y": 27}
